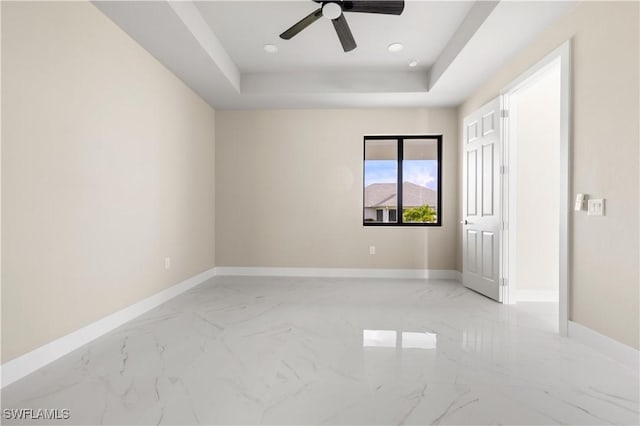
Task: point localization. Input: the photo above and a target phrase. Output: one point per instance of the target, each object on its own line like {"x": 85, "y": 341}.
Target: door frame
{"x": 563, "y": 55}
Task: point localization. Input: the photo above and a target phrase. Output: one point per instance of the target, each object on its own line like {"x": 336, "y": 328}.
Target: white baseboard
{"x": 537, "y": 295}
{"x": 606, "y": 345}
{"x": 442, "y": 274}
{"x": 28, "y": 363}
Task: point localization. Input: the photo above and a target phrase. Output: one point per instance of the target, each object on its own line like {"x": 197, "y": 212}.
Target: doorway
{"x": 536, "y": 189}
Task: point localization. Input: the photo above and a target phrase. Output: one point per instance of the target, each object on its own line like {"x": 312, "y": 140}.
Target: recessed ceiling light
{"x": 331, "y": 10}
{"x": 270, "y": 48}
{"x": 395, "y": 47}
{"x": 413, "y": 63}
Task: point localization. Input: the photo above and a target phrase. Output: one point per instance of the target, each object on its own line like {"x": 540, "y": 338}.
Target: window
{"x": 415, "y": 161}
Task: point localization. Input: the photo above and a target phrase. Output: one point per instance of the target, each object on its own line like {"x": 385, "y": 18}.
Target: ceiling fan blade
{"x": 387, "y": 7}
{"x": 302, "y": 24}
{"x": 344, "y": 33}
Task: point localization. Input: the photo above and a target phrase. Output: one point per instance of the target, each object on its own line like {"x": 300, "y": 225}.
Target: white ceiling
{"x": 244, "y": 27}
{"x": 216, "y": 47}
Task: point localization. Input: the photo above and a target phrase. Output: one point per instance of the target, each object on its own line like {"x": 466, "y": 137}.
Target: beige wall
{"x": 604, "y": 292}
{"x": 289, "y": 190}
{"x": 107, "y": 167}
{"x": 535, "y": 111}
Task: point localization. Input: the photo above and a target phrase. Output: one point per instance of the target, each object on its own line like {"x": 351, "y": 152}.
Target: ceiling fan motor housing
{"x": 331, "y": 10}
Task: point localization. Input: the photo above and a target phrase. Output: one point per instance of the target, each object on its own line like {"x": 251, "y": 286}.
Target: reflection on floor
{"x": 333, "y": 351}
{"x": 399, "y": 339}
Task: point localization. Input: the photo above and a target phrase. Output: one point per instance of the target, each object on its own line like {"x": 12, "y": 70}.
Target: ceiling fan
{"x": 333, "y": 9}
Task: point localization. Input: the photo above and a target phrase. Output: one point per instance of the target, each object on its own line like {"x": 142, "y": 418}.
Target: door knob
{"x": 464, "y": 222}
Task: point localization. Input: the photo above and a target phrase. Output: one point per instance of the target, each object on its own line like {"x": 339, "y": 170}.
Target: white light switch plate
{"x": 595, "y": 207}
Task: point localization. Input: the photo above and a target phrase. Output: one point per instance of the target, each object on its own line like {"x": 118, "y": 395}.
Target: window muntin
{"x": 416, "y": 161}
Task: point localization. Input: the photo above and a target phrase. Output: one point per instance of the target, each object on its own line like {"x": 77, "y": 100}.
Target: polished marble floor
{"x": 240, "y": 350}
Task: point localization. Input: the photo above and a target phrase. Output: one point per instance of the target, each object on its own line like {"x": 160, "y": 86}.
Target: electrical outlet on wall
{"x": 372, "y": 250}
{"x": 595, "y": 207}
{"x": 167, "y": 262}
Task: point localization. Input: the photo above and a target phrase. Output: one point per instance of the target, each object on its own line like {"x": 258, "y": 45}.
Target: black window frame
{"x": 399, "y": 157}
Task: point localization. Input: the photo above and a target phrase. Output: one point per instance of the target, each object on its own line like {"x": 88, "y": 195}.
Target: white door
{"x": 481, "y": 201}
